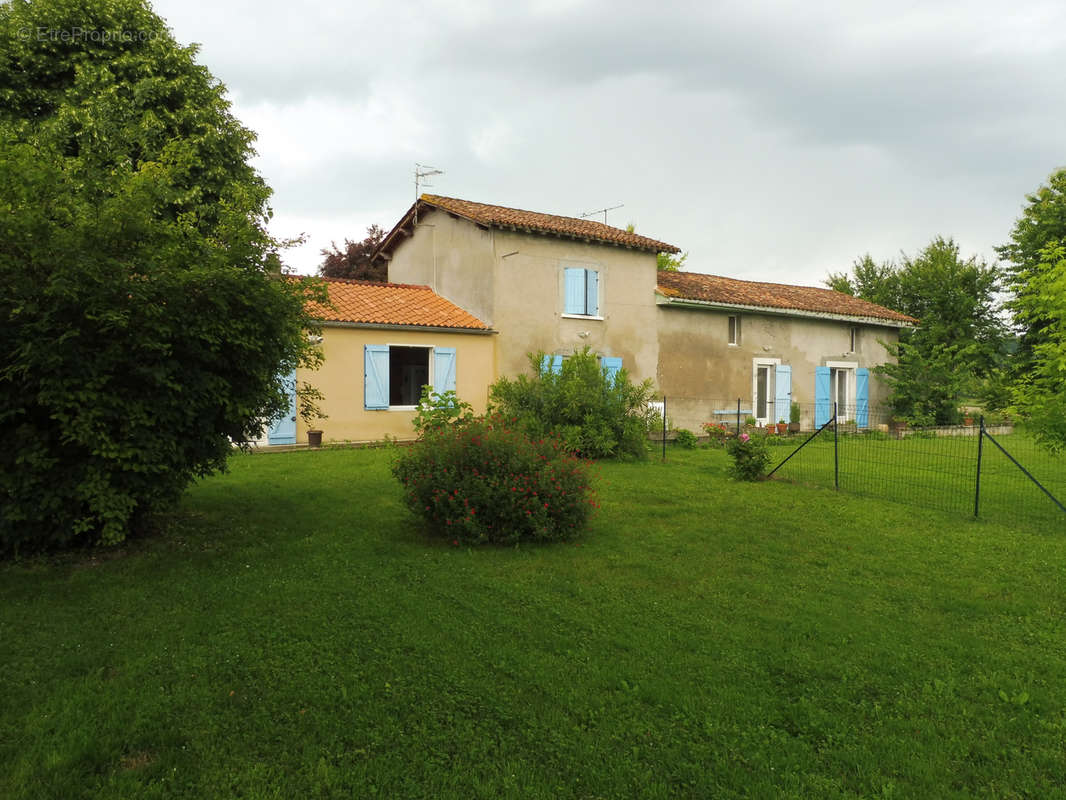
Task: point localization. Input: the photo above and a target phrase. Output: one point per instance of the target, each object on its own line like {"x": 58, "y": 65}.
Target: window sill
{"x": 581, "y": 316}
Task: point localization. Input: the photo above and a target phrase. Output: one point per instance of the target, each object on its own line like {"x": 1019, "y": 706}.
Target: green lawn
{"x": 294, "y": 635}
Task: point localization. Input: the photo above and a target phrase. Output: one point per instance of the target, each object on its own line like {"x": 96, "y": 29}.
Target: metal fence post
{"x": 836, "y": 451}
{"x": 738, "y": 416}
{"x": 977, "y": 487}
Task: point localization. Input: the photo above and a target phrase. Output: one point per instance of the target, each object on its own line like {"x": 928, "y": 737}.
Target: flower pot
{"x": 314, "y": 438}
{"x": 967, "y": 421}
{"x": 793, "y": 427}
{"x": 782, "y": 427}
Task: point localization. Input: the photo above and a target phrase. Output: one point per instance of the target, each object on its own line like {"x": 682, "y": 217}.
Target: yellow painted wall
{"x": 514, "y": 282}
{"x": 340, "y": 379}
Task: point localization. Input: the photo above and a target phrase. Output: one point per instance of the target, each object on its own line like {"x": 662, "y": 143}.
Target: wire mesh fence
{"x": 992, "y": 471}
{"x": 986, "y": 467}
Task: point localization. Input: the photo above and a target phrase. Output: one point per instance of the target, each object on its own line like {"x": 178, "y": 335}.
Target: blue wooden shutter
{"x": 822, "y": 408}
{"x": 443, "y": 369}
{"x": 862, "y": 397}
{"x": 611, "y": 365}
{"x": 376, "y": 376}
{"x": 575, "y": 291}
{"x": 592, "y": 292}
{"x": 283, "y": 429}
{"x": 782, "y": 392}
{"x": 551, "y": 364}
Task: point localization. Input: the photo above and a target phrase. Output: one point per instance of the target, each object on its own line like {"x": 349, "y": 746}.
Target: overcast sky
{"x": 771, "y": 141}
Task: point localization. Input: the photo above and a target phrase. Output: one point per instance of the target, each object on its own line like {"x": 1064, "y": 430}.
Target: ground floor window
{"x": 408, "y": 373}
{"x": 841, "y": 381}
{"x": 394, "y": 375}
{"x": 554, "y": 363}
{"x": 843, "y": 387}
{"x": 771, "y": 390}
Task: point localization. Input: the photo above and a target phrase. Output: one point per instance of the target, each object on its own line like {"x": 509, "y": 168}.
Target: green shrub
{"x": 440, "y": 410}
{"x": 145, "y": 318}
{"x": 595, "y": 416}
{"x": 685, "y": 438}
{"x": 750, "y": 457}
{"x": 486, "y": 481}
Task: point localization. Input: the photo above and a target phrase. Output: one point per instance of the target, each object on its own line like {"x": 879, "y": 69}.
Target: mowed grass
{"x": 295, "y": 635}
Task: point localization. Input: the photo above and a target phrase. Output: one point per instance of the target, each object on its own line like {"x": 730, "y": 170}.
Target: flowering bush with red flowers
{"x": 488, "y": 482}
{"x": 717, "y": 433}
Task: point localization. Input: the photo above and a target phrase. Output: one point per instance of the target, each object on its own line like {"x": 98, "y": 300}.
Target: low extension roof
{"x": 391, "y": 304}
{"x": 714, "y": 290}
{"x": 516, "y": 219}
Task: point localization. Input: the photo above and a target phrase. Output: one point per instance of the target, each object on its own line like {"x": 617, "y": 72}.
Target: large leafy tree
{"x": 143, "y": 314}
{"x": 1042, "y": 225}
{"x": 878, "y": 283}
{"x": 354, "y": 260}
{"x": 1040, "y": 391}
{"x": 958, "y": 345}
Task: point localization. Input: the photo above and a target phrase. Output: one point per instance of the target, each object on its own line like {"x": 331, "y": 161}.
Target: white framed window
{"x": 734, "y": 329}
{"x": 394, "y": 375}
{"x": 842, "y": 388}
{"x": 853, "y": 339}
{"x": 763, "y": 389}
{"x": 581, "y": 292}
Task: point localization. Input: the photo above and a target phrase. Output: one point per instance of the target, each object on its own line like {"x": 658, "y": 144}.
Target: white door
{"x": 764, "y": 393}
{"x": 841, "y": 380}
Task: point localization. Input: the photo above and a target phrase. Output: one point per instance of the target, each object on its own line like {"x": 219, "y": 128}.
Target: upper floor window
{"x": 582, "y": 292}
{"x": 734, "y": 330}
{"x": 854, "y": 340}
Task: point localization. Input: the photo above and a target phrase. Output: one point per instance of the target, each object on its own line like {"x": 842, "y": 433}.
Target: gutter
{"x": 663, "y": 300}
{"x": 420, "y": 328}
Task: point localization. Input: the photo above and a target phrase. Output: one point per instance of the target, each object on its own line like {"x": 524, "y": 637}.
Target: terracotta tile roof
{"x": 730, "y": 291}
{"x": 503, "y": 217}
{"x": 371, "y": 303}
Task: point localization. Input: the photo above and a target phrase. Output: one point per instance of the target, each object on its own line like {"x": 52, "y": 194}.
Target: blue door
{"x": 283, "y": 429}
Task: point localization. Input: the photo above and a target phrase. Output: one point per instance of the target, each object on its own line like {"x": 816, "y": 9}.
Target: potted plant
{"x": 750, "y": 422}
{"x": 308, "y": 397}
{"x": 794, "y": 418}
{"x": 782, "y": 426}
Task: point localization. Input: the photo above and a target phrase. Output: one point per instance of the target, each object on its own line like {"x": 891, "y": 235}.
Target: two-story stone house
{"x": 543, "y": 282}
{"x": 546, "y": 283}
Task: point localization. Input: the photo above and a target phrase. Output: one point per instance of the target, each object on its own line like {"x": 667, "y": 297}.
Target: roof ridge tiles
{"x": 703, "y": 287}
{"x": 364, "y": 282}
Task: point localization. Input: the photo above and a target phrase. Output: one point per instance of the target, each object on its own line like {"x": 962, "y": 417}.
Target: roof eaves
{"x": 389, "y": 326}
{"x": 683, "y": 302}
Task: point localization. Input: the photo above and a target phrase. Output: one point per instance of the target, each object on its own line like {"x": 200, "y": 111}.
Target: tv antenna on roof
{"x": 602, "y": 211}
{"x": 423, "y": 171}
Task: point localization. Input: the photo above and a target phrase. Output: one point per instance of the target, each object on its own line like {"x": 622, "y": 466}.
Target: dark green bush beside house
{"x": 486, "y": 481}
{"x": 145, "y": 318}
{"x": 594, "y": 409}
